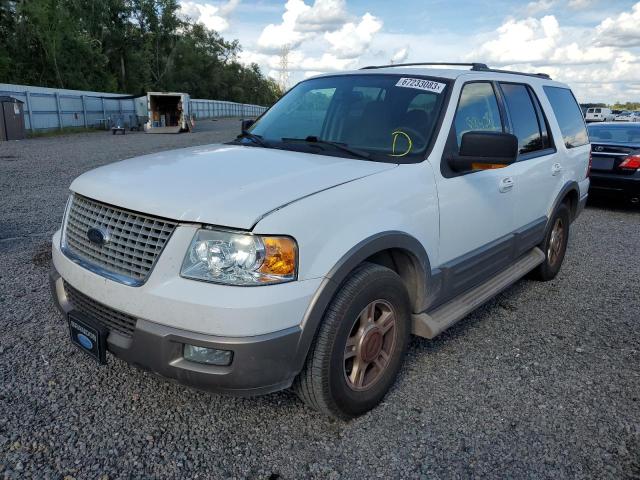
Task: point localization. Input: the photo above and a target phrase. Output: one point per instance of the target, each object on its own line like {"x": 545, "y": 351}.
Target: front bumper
{"x": 615, "y": 185}
{"x": 261, "y": 364}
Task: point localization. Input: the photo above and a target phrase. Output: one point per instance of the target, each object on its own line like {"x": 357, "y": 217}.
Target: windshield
{"x": 378, "y": 117}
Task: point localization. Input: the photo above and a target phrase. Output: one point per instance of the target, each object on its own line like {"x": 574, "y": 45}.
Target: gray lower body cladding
{"x": 261, "y": 364}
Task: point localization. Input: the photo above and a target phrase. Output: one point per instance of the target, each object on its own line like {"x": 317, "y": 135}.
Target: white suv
{"x": 361, "y": 208}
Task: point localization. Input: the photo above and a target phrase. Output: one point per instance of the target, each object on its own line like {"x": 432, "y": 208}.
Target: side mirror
{"x": 246, "y": 125}
{"x": 488, "y": 149}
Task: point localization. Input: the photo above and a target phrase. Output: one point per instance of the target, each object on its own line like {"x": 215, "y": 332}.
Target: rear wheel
{"x": 360, "y": 345}
{"x": 554, "y": 245}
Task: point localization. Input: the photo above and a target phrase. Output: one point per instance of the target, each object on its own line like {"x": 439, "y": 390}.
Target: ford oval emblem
{"x": 85, "y": 341}
{"x": 599, "y": 149}
{"x": 98, "y": 236}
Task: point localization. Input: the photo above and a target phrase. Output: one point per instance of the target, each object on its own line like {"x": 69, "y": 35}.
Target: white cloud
{"x": 298, "y": 62}
{"x": 621, "y": 31}
{"x": 539, "y": 6}
{"x": 597, "y": 70}
{"x": 400, "y": 55}
{"x": 322, "y": 36}
{"x": 353, "y": 40}
{"x": 275, "y": 36}
{"x": 214, "y": 17}
{"x": 599, "y": 60}
{"x": 539, "y": 42}
{"x": 580, "y": 4}
{"x": 301, "y": 22}
{"x": 323, "y": 15}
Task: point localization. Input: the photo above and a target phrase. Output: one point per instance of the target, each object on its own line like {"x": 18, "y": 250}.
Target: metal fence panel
{"x": 52, "y": 108}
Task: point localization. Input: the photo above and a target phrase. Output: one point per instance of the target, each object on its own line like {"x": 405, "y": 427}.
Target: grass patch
{"x": 64, "y": 131}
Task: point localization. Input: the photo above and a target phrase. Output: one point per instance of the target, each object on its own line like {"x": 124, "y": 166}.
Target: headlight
{"x": 240, "y": 259}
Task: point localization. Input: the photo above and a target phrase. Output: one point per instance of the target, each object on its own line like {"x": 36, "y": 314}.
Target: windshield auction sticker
{"x": 421, "y": 84}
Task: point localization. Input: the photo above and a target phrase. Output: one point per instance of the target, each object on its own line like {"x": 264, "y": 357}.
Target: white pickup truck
{"x": 361, "y": 208}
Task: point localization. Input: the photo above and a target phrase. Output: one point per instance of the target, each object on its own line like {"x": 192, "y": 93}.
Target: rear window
{"x": 569, "y": 116}
{"x": 614, "y": 133}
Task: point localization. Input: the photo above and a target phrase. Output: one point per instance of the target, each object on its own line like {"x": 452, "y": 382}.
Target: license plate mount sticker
{"x": 421, "y": 84}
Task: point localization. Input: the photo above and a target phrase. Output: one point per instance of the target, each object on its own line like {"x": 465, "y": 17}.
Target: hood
{"x": 226, "y": 185}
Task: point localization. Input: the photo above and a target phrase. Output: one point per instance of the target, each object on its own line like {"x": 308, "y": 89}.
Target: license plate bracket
{"x": 88, "y": 336}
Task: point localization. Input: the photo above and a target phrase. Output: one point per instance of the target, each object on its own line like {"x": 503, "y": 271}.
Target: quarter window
{"x": 569, "y": 116}
{"x": 477, "y": 110}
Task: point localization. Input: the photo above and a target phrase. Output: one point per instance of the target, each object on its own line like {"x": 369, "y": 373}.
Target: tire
{"x": 554, "y": 248}
{"x": 332, "y": 383}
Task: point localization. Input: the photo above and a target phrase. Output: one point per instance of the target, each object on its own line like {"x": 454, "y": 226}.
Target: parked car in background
{"x": 615, "y": 164}
{"x": 622, "y": 116}
{"x": 599, "y": 114}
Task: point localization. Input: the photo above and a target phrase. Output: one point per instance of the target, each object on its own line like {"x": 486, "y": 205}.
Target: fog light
{"x": 209, "y": 356}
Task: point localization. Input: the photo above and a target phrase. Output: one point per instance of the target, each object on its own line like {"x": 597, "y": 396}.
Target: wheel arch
{"x": 570, "y": 194}
{"x": 396, "y": 250}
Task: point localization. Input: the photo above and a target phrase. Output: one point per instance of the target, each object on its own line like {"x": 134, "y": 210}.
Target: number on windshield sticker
{"x": 421, "y": 84}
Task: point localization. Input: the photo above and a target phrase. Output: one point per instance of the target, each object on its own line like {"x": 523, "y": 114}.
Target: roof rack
{"x": 476, "y": 67}
{"x": 513, "y": 72}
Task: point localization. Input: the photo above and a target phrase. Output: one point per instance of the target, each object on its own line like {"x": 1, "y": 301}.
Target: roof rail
{"x": 513, "y": 72}
{"x": 476, "y": 67}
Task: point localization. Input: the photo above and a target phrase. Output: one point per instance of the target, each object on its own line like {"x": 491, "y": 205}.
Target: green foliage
{"x": 634, "y": 106}
{"x": 131, "y": 46}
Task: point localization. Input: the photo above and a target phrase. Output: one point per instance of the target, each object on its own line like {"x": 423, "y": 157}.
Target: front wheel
{"x": 360, "y": 345}
{"x": 554, "y": 245}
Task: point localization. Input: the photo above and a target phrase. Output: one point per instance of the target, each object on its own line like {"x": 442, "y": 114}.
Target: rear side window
{"x": 569, "y": 116}
{"x": 523, "y": 116}
{"x": 477, "y": 110}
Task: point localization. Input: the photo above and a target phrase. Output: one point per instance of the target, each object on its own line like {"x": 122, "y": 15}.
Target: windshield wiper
{"x": 253, "y": 137}
{"x": 338, "y": 146}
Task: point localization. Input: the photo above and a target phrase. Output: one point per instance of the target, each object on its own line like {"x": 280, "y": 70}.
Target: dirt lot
{"x": 542, "y": 382}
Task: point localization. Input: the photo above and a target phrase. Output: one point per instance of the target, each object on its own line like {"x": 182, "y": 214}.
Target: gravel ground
{"x": 542, "y": 382}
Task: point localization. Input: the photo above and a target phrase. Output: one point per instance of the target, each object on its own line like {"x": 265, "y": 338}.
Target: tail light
{"x": 632, "y": 162}
{"x": 589, "y": 166}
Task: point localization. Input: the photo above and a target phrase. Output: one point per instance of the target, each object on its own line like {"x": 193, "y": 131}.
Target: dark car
{"x": 615, "y": 167}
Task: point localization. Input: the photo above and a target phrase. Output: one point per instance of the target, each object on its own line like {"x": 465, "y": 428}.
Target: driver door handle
{"x": 556, "y": 168}
{"x": 506, "y": 184}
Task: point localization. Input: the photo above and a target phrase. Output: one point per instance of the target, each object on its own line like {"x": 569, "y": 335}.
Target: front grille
{"x": 135, "y": 240}
{"x": 106, "y": 316}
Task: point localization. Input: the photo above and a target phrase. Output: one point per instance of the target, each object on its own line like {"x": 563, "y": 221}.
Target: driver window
{"x": 477, "y": 110}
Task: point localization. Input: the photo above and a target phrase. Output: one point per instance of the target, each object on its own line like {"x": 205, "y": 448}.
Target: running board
{"x": 429, "y": 325}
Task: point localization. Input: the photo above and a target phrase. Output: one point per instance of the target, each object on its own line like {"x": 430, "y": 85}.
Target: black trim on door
{"x": 473, "y": 268}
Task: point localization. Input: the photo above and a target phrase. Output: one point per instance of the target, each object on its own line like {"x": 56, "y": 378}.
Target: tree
{"x": 128, "y": 46}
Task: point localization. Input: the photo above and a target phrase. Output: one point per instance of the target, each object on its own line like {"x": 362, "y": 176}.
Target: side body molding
{"x": 414, "y": 258}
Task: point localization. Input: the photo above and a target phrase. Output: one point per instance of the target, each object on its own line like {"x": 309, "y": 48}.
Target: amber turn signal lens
{"x": 280, "y": 256}
{"x": 486, "y": 166}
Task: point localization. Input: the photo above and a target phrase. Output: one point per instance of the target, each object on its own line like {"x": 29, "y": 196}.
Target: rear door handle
{"x": 556, "y": 168}
{"x": 506, "y": 184}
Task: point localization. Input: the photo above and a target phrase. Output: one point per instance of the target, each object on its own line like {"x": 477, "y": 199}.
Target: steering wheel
{"x": 413, "y": 136}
